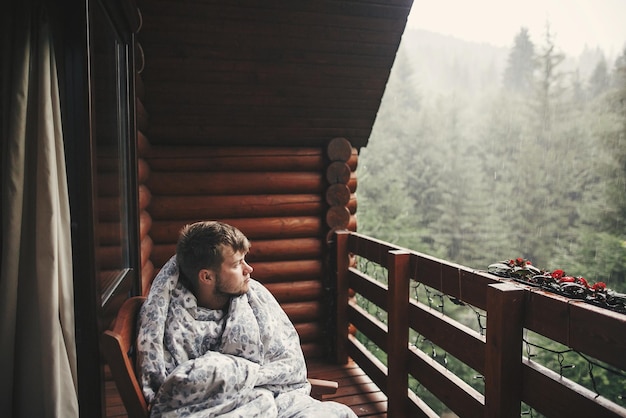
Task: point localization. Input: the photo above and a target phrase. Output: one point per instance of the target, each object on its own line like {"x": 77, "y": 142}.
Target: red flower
{"x": 599, "y": 286}
{"x": 567, "y": 279}
{"x": 557, "y": 274}
{"x": 582, "y": 281}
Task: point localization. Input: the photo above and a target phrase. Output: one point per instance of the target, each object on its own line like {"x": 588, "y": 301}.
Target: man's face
{"x": 233, "y": 278}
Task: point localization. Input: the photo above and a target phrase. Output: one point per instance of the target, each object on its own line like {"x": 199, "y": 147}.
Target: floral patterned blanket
{"x": 197, "y": 362}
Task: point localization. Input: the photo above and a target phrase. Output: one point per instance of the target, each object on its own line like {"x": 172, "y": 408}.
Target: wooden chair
{"x": 118, "y": 347}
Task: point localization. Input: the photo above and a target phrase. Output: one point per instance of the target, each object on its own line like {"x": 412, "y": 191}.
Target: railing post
{"x": 343, "y": 263}
{"x": 398, "y": 333}
{"x": 503, "y": 367}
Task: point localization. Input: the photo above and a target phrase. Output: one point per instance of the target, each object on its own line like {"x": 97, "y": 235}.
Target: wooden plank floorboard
{"x": 356, "y": 390}
{"x": 114, "y": 408}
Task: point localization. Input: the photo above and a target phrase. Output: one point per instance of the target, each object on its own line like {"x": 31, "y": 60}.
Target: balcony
{"x": 389, "y": 319}
{"x": 406, "y": 322}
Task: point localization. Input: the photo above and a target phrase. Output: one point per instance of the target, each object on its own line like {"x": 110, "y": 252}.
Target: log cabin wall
{"x": 278, "y": 198}
{"x": 253, "y": 113}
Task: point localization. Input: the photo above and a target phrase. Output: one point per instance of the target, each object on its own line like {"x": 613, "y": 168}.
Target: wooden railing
{"x": 510, "y": 378}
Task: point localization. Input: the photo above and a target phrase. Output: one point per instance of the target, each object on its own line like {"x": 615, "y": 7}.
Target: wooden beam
{"x": 398, "y": 335}
{"x": 343, "y": 263}
{"x": 503, "y": 369}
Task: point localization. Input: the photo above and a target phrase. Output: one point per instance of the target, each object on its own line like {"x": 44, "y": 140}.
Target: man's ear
{"x": 205, "y": 276}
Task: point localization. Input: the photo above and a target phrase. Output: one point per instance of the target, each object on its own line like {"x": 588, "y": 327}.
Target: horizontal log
{"x": 315, "y": 350}
{"x": 267, "y": 250}
{"x": 108, "y": 209}
{"x": 288, "y": 271}
{"x": 109, "y": 257}
{"x": 353, "y": 162}
{"x": 339, "y": 149}
{"x": 338, "y": 217}
{"x": 198, "y": 158}
{"x": 337, "y": 195}
{"x": 286, "y": 249}
{"x": 215, "y": 207}
{"x": 160, "y": 254}
{"x": 145, "y": 224}
{"x": 109, "y": 233}
{"x": 146, "y": 248}
{"x": 234, "y": 183}
{"x": 143, "y": 171}
{"x": 352, "y": 183}
{"x": 145, "y": 197}
{"x": 352, "y": 225}
{"x": 296, "y": 291}
{"x": 143, "y": 144}
{"x": 253, "y": 228}
{"x": 304, "y": 311}
{"x": 352, "y": 204}
{"x": 338, "y": 172}
{"x": 147, "y": 275}
{"x": 309, "y": 331}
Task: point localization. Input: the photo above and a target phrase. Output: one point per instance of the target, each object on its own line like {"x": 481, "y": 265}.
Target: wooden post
{"x": 342, "y": 296}
{"x": 503, "y": 368}
{"x": 398, "y": 333}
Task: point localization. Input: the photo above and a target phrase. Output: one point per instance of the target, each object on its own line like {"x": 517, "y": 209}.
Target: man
{"x": 214, "y": 342}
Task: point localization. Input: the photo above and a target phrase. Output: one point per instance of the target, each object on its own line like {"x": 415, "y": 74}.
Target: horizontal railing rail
{"x": 384, "y": 312}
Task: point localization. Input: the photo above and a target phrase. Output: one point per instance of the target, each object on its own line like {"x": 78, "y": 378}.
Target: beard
{"x": 220, "y": 288}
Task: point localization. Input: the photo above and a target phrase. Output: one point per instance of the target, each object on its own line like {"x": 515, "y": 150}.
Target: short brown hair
{"x": 200, "y": 246}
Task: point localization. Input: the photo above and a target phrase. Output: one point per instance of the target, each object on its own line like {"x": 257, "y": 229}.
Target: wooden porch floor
{"x": 355, "y": 390}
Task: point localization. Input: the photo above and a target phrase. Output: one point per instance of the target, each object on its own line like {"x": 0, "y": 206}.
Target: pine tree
{"x": 600, "y": 80}
{"x": 520, "y": 65}
{"x": 542, "y": 209}
{"x": 386, "y": 209}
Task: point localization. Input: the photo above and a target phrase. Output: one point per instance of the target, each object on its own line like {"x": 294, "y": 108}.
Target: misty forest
{"x": 481, "y": 154}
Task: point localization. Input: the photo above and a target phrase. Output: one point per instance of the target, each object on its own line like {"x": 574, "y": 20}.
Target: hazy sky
{"x": 573, "y": 22}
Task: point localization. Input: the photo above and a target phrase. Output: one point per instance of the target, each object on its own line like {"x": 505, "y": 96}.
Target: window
{"x": 112, "y": 161}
